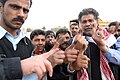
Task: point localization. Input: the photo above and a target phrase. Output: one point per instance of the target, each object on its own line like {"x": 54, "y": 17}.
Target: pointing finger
{"x": 57, "y": 44}
{"x": 52, "y": 51}
{"x": 49, "y": 67}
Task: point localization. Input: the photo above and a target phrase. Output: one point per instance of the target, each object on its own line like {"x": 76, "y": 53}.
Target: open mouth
{"x": 88, "y": 28}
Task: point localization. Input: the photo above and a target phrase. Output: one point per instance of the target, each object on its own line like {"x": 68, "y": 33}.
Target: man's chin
{"x": 63, "y": 48}
{"x": 88, "y": 34}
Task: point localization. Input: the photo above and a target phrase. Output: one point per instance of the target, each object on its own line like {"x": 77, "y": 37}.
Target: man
{"x": 97, "y": 47}
{"x": 37, "y": 38}
{"x": 113, "y": 28}
{"x": 50, "y": 39}
{"x": 59, "y": 70}
{"x": 65, "y": 34}
{"x": 13, "y": 43}
{"x": 74, "y": 27}
{"x": 50, "y": 35}
{"x": 10, "y": 26}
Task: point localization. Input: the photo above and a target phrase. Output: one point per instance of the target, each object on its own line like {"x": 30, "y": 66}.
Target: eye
{"x": 42, "y": 39}
{"x": 90, "y": 20}
{"x": 76, "y": 28}
{"x": 84, "y": 21}
{"x": 25, "y": 11}
{"x": 52, "y": 37}
{"x": 67, "y": 37}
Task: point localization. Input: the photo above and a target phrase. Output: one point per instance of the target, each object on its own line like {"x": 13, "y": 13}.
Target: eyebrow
{"x": 15, "y": 5}
{"x": 18, "y": 6}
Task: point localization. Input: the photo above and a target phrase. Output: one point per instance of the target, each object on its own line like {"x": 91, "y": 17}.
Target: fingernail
{"x": 50, "y": 75}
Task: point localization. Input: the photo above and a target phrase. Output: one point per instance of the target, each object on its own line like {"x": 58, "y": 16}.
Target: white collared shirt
{"x": 13, "y": 39}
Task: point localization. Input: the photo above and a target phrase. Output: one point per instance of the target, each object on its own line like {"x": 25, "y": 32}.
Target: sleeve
{"x": 113, "y": 56}
{"x": 12, "y": 68}
{"x": 69, "y": 69}
{"x": 2, "y": 75}
{"x": 66, "y": 70}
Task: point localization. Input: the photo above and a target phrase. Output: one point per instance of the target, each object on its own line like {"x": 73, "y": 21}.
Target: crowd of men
{"x": 85, "y": 52}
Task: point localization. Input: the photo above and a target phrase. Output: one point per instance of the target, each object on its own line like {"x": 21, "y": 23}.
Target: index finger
{"x": 71, "y": 46}
{"x": 47, "y": 54}
{"x": 57, "y": 44}
{"x": 75, "y": 40}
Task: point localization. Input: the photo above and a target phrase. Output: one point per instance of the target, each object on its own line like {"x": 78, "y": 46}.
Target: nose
{"x": 40, "y": 42}
{"x": 66, "y": 40}
{"x": 20, "y": 13}
{"x": 50, "y": 38}
{"x": 74, "y": 29}
{"x": 87, "y": 23}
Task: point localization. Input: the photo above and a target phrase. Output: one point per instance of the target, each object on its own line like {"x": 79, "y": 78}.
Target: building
{"x": 103, "y": 23}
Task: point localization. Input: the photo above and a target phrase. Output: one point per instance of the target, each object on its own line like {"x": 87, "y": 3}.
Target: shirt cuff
{"x": 69, "y": 69}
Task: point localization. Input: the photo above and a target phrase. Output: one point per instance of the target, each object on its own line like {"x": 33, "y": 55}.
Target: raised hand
{"x": 58, "y": 42}
{"x": 57, "y": 58}
{"x": 38, "y": 64}
{"x": 81, "y": 61}
{"x": 98, "y": 37}
{"x": 71, "y": 54}
{"x": 81, "y": 43}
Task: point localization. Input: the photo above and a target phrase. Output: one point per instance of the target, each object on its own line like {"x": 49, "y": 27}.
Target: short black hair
{"x": 3, "y": 2}
{"x": 87, "y": 11}
{"x": 113, "y": 24}
{"x": 36, "y": 32}
{"x": 62, "y": 31}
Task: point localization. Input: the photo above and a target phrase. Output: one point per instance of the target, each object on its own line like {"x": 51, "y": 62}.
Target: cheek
{"x": 34, "y": 43}
{"x": 44, "y": 43}
{"x": 26, "y": 16}
{"x": 82, "y": 28}
{"x": 8, "y": 16}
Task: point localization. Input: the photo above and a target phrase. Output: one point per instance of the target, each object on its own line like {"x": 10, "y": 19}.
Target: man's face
{"x": 50, "y": 37}
{"x": 89, "y": 24}
{"x": 74, "y": 29}
{"x": 111, "y": 29}
{"x": 39, "y": 40}
{"x": 14, "y": 13}
{"x": 65, "y": 43}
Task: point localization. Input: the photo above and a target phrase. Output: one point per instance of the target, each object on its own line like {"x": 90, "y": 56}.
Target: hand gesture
{"x": 98, "y": 37}
{"x": 38, "y": 64}
{"x": 81, "y": 61}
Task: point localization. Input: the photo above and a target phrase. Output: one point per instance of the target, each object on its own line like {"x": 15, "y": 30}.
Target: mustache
{"x": 88, "y": 27}
{"x": 19, "y": 19}
{"x": 65, "y": 43}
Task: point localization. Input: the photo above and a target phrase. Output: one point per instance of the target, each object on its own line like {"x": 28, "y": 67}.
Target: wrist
{"x": 104, "y": 49}
{"x": 70, "y": 68}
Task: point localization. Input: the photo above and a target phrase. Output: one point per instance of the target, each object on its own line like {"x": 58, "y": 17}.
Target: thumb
{"x": 57, "y": 44}
{"x": 47, "y": 54}
{"x": 72, "y": 45}
{"x": 77, "y": 37}
{"x": 75, "y": 40}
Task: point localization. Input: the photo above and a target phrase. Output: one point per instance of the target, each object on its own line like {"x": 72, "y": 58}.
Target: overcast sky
{"x": 52, "y": 13}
